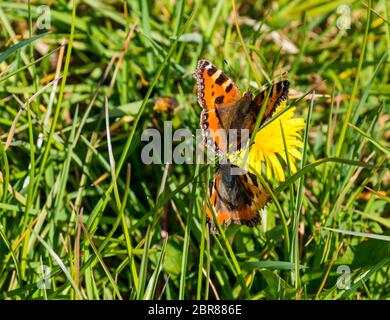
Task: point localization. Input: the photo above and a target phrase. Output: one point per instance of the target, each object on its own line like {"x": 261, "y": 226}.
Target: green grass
{"x": 76, "y": 199}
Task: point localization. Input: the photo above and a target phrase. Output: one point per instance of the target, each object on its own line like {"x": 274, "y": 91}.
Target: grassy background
{"x": 78, "y": 205}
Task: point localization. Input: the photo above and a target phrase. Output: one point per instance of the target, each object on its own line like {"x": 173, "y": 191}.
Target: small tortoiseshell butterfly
{"x": 235, "y": 198}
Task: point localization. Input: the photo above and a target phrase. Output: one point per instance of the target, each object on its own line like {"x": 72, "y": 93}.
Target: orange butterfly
{"x": 235, "y": 198}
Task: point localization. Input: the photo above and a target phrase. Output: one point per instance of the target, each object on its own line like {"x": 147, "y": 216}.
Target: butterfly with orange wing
{"x": 235, "y": 197}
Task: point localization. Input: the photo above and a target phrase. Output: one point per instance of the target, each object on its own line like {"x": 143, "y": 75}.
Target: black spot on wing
{"x": 221, "y": 79}
{"x": 219, "y": 100}
{"x": 229, "y": 87}
{"x": 211, "y": 70}
{"x": 282, "y": 91}
{"x": 284, "y": 86}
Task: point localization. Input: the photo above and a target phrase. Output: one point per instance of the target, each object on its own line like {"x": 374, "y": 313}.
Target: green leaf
{"x": 316, "y": 163}
{"x": 280, "y": 265}
{"x": 19, "y": 45}
{"x": 277, "y": 287}
{"x": 172, "y": 259}
{"x": 370, "y": 252}
{"x": 371, "y": 139}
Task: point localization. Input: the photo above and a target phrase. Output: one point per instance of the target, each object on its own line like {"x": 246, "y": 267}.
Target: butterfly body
{"x": 235, "y": 197}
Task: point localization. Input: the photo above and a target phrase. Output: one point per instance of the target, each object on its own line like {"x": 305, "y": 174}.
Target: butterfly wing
{"x": 246, "y": 111}
{"x": 278, "y": 94}
{"x": 236, "y": 197}
{"x": 216, "y": 95}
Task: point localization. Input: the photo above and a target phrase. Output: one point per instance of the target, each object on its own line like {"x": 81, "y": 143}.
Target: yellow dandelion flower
{"x": 268, "y": 146}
